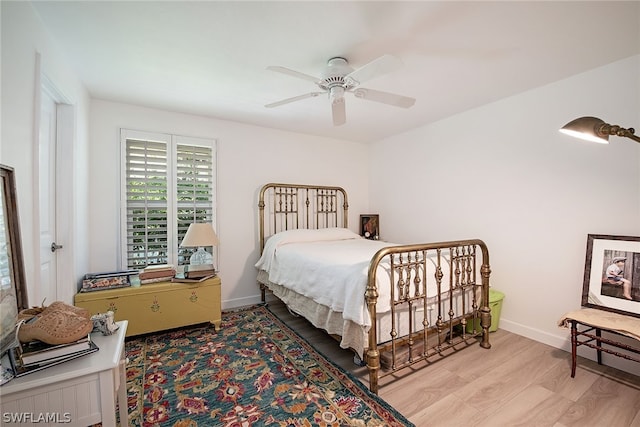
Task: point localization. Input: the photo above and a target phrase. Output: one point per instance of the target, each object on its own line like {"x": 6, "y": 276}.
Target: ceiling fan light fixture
{"x": 337, "y": 66}
{"x": 339, "y": 78}
{"x": 336, "y": 94}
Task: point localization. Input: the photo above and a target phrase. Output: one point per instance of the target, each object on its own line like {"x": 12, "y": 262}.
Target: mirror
{"x": 13, "y": 288}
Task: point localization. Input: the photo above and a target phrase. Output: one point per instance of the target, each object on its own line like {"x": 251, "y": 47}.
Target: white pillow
{"x": 311, "y": 235}
{"x": 298, "y": 236}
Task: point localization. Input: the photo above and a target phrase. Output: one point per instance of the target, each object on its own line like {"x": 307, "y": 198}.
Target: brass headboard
{"x": 292, "y": 206}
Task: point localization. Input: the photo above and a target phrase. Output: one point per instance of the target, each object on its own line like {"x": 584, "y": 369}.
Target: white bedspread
{"x": 329, "y": 267}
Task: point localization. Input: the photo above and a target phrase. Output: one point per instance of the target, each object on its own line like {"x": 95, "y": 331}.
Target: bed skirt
{"x": 352, "y": 336}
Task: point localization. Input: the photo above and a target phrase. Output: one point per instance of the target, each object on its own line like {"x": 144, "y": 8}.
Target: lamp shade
{"x": 587, "y": 128}
{"x": 596, "y": 130}
{"x": 199, "y": 234}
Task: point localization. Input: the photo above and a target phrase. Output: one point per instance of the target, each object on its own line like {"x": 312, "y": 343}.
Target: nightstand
{"x": 77, "y": 393}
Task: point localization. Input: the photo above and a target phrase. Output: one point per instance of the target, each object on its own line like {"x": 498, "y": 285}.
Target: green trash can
{"x": 495, "y": 304}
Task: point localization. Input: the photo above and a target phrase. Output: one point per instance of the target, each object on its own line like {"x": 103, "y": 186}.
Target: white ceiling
{"x": 210, "y": 57}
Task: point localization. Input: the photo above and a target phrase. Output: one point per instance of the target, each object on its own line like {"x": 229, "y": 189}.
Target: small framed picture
{"x": 370, "y": 226}
{"x": 612, "y": 274}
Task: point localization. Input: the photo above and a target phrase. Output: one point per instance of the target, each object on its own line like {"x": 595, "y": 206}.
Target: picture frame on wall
{"x": 370, "y": 226}
{"x": 612, "y": 274}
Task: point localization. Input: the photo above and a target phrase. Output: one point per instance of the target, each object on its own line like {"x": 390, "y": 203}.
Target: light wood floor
{"x": 518, "y": 382}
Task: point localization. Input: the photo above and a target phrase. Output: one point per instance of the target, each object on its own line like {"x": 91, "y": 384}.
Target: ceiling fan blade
{"x": 384, "y": 97}
{"x": 294, "y": 99}
{"x": 382, "y": 65}
{"x": 338, "y": 111}
{"x": 293, "y": 73}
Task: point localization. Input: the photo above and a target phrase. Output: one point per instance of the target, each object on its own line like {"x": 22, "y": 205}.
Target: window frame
{"x": 174, "y": 252}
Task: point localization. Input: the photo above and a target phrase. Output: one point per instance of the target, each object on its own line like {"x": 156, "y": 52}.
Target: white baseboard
{"x": 240, "y": 302}
{"x": 562, "y": 340}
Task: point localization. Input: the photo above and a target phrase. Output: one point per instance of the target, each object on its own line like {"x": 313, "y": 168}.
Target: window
{"x": 168, "y": 182}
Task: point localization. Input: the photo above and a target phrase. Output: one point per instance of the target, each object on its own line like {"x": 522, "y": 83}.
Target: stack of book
{"x": 36, "y": 355}
{"x": 199, "y": 271}
{"x": 157, "y": 273}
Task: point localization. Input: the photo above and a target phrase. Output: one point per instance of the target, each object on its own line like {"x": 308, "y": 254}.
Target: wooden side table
{"x": 79, "y": 393}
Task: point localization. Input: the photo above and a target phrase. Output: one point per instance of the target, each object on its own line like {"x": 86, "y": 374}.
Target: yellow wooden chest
{"x": 158, "y": 306}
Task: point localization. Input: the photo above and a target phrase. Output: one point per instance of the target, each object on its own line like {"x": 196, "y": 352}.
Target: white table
{"x": 79, "y": 393}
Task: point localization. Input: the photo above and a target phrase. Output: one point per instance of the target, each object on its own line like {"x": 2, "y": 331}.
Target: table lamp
{"x": 199, "y": 235}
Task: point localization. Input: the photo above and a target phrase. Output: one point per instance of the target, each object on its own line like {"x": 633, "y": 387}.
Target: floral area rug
{"x": 255, "y": 371}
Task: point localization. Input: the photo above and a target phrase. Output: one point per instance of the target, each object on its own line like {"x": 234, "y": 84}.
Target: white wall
{"x": 503, "y": 173}
{"x": 248, "y": 157}
{"x": 23, "y": 37}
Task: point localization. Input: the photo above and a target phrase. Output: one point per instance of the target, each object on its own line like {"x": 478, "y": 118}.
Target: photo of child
{"x": 614, "y": 275}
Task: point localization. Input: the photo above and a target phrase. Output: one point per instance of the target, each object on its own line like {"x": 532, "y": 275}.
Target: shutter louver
{"x": 194, "y": 187}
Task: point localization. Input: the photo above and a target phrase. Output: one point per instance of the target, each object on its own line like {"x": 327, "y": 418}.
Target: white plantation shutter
{"x": 169, "y": 182}
{"x": 147, "y": 202}
{"x": 194, "y": 188}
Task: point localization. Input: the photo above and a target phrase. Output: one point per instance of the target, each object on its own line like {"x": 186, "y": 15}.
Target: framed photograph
{"x": 612, "y": 274}
{"x": 370, "y": 226}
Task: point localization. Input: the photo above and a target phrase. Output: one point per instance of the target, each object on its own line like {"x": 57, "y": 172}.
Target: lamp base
{"x": 200, "y": 257}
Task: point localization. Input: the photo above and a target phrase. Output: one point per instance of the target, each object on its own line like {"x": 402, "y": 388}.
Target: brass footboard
{"x": 417, "y": 286}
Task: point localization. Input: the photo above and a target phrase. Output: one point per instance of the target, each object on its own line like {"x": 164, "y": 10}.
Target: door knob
{"x": 55, "y": 247}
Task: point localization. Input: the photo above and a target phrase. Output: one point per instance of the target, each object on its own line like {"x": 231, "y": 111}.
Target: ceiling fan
{"x": 339, "y": 78}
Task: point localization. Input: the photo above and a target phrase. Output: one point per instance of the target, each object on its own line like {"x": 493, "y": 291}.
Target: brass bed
{"x": 420, "y": 302}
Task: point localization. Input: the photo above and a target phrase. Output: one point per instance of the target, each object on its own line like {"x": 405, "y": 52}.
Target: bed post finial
{"x": 345, "y": 210}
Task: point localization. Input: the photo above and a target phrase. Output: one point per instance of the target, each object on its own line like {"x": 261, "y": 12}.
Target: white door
{"x": 46, "y": 286}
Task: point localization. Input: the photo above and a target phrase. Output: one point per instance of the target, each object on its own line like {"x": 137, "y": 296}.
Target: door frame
{"x": 64, "y": 176}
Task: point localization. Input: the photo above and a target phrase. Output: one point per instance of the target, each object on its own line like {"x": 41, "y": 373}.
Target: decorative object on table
{"x": 107, "y": 280}
{"x": 200, "y": 235}
{"x": 135, "y": 281}
{"x": 611, "y": 275}
{"x": 157, "y": 273}
{"x": 280, "y": 380}
{"x": 596, "y": 130}
{"x": 29, "y": 313}
{"x": 58, "y": 323}
{"x": 370, "y": 226}
{"x": 104, "y": 323}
